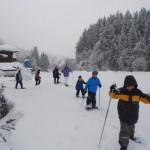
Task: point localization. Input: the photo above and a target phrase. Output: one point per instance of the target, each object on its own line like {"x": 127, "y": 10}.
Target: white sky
{"x": 55, "y": 26}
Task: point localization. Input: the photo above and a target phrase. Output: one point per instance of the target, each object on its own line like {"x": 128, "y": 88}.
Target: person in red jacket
{"x": 37, "y": 78}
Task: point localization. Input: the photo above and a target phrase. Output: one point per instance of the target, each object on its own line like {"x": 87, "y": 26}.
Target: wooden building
{"x": 6, "y": 53}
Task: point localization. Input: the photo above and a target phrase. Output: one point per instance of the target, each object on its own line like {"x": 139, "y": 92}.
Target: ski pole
{"x": 82, "y": 101}
{"x": 99, "y": 98}
{"x": 104, "y": 124}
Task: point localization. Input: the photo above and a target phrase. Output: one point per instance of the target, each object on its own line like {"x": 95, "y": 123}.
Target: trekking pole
{"x": 104, "y": 124}
{"x": 99, "y": 98}
{"x": 82, "y": 101}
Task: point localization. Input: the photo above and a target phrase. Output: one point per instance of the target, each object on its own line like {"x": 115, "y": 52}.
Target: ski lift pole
{"x": 104, "y": 124}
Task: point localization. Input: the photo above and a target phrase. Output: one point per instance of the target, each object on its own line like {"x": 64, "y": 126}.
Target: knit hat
{"x": 95, "y": 72}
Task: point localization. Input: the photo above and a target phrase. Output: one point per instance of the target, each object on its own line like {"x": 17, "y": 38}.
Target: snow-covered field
{"x": 49, "y": 117}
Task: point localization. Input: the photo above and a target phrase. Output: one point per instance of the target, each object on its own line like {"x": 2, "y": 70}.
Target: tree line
{"x": 118, "y": 42}
{"x": 43, "y": 61}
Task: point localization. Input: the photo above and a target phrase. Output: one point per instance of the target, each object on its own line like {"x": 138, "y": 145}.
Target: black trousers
{"x": 82, "y": 91}
{"x": 126, "y": 132}
{"x": 20, "y": 82}
{"x": 56, "y": 80}
{"x": 91, "y": 99}
{"x": 37, "y": 81}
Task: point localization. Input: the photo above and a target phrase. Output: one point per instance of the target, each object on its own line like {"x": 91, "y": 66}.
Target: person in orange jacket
{"x": 128, "y": 108}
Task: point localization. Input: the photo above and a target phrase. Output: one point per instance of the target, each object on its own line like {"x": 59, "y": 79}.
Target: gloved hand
{"x": 113, "y": 87}
{"x": 148, "y": 98}
{"x": 100, "y": 85}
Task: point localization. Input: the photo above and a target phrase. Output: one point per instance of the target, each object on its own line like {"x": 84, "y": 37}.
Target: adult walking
{"x": 19, "y": 79}
{"x": 66, "y": 70}
{"x": 56, "y": 75}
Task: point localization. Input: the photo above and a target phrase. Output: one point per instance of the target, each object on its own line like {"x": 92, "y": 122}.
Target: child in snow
{"x": 79, "y": 86}
{"x": 91, "y": 86}
{"x": 37, "y": 78}
{"x": 19, "y": 79}
{"x": 56, "y": 75}
{"x": 66, "y": 70}
{"x": 128, "y": 108}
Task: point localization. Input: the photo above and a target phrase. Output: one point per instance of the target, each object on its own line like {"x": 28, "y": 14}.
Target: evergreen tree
{"x": 44, "y": 62}
{"x": 115, "y": 42}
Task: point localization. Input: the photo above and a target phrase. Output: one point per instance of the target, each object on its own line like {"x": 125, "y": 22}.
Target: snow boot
{"x": 123, "y": 148}
{"x": 94, "y": 107}
{"x": 133, "y": 138}
{"x": 88, "y": 107}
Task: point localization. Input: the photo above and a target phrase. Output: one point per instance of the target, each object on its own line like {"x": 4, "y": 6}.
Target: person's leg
{"x": 54, "y": 80}
{"x": 132, "y": 131}
{"x": 57, "y": 80}
{"x": 66, "y": 80}
{"x": 89, "y": 98}
{"x": 39, "y": 81}
{"x": 83, "y": 92}
{"x": 16, "y": 84}
{"x": 93, "y": 95}
{"x": 78, "y": 92}
{"x": 36, "y": 82}
{"x": 124, "y": 135}
{"x": 21, "y": 84}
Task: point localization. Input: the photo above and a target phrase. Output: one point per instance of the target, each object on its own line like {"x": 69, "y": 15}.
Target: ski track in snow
{"x": 53, "y": 119}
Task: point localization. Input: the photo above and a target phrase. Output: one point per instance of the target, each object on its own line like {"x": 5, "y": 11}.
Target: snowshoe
{"x": 66, "y": 85}
{"x": 135, "y": 139}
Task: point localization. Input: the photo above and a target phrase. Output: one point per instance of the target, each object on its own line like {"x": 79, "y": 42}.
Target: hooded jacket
{"x": 66, "y": 71}
{"x": 128, "y": 104}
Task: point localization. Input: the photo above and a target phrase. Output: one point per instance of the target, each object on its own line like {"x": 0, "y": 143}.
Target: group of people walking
{"x": 56, "y": 75}
{"x": 66, "y": 70}
{"x": 128, "y": 105}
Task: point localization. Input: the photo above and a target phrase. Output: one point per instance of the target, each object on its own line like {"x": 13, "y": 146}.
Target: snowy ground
{"x": 49, "y": 117}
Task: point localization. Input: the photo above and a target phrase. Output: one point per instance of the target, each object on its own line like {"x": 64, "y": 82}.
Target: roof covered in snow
{"x": 10, "y": 66}
{"x": 8, "y": 47}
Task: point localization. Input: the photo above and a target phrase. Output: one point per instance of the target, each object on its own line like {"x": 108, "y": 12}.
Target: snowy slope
{"x": 51, "y": 118}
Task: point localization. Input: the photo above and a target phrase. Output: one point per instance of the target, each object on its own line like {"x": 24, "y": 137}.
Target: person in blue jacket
{"x": 79, "y": 86}
{"x": 91, "y": 86}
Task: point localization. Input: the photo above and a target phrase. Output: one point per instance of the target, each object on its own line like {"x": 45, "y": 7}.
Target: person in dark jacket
{"x": 56, "y": 75}
{"x": 37, "y": 78}
{"x": 91, "y": 86}
{"x": 128, "y": 108}
{"x": 19, "y": 79}
{"x": 79, "y": 86}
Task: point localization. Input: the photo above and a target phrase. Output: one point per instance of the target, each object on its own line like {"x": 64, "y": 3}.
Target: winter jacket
{"x": 128, "y": 104}
{"x": 37, "y": 75}
{"x": 66, "y": 71}
{"x": 79, "y": 84}
{"x": 18, "y": 76}
{"x": 92, "y": 84}
{"x": 56, "y": 73}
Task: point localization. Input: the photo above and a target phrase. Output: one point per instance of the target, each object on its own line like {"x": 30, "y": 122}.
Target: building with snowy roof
{"x": 6, "y": 53}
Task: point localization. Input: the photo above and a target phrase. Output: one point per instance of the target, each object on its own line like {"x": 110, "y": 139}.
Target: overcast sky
{"x": 55, "y": 25}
